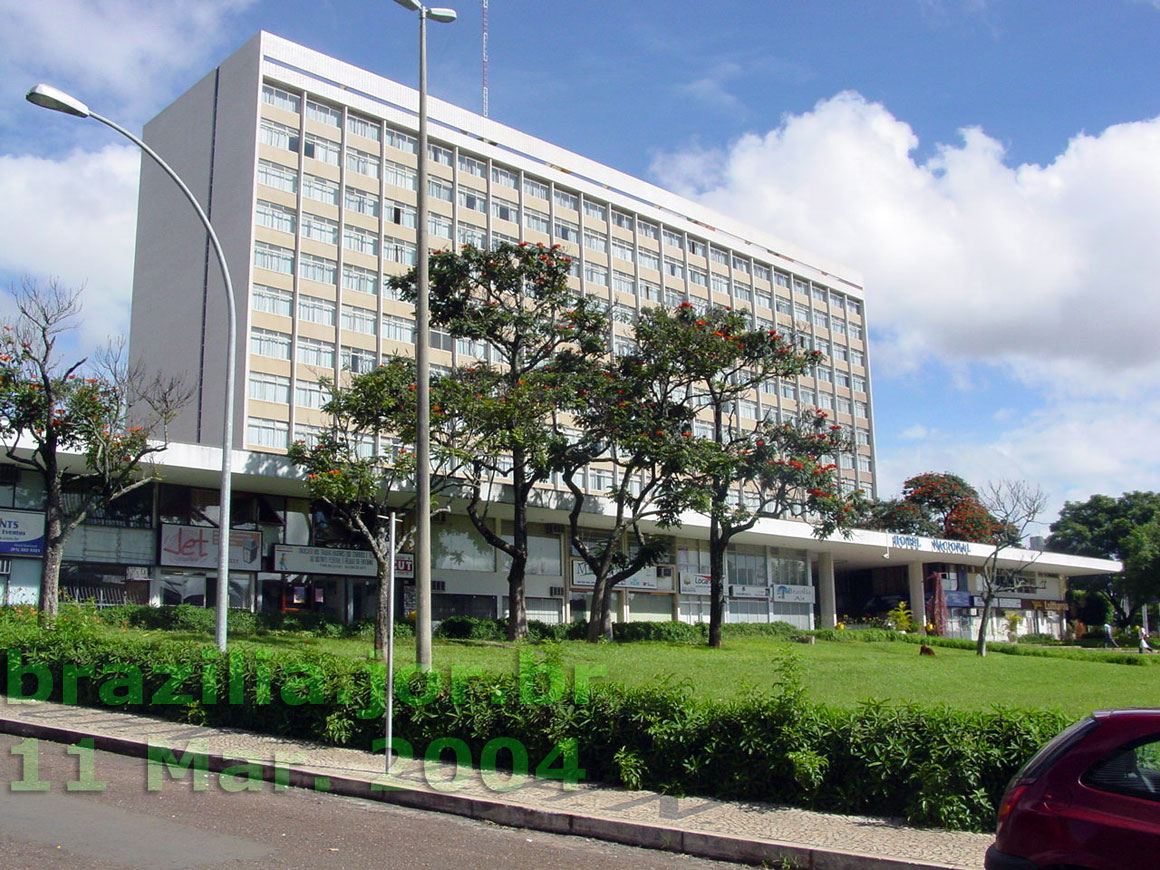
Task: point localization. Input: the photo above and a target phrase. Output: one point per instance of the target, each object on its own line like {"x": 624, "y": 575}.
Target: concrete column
{"x": 827, "y": 599}
{"x": 917, "y": 599}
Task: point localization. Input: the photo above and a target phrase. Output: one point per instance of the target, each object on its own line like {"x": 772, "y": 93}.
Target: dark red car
{"x": 1088, "y": 800}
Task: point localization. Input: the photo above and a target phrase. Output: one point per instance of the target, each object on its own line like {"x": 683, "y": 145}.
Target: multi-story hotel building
{"x": 307, "y": 167}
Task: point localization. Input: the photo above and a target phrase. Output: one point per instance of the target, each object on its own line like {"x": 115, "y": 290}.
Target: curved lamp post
{"x": 423, "y": 360}
{"x": 49, "y": 97}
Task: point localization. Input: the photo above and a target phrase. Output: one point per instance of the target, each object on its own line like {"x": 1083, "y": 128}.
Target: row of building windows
{"x": 403, "y": 176}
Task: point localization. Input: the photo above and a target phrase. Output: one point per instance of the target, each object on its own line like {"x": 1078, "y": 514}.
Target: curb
{"x": 719, "y": 847}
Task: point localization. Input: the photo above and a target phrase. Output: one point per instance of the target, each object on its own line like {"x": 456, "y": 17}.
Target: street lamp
{"x": 49, "y": 97}
{"x": 423, "y": 360}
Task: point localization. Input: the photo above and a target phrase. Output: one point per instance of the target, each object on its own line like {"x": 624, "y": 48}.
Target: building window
{"x": 470, "y": 234}
{"x": 364, "y": 127}
{"x": 863, "y": 437}
{"x": 673, "y": 298}
{"x": 267, "y": 433}
{"x": 504, "y": 177}
{"x": 536, "y": 220}
{"x": 267, "y": 342}
{"x": 842, "y": 379}
{"x": 362, "y": 201}
{"x": 622, "y": 220}
{"x": 320, "y": 148}
{"x": 761, "y": 272}
{"x": 401, "y": 329}
{"x": 698, "y": 277}
{"x": 274, "y": 217}
{"x": 623, "y": 283}
{"x": 360, "y": 240}
{"x": 439, "y": 189}
{"x": 864, "y": 463}
{"x": 535, "y": 188}
{"x": 858, "y": 383}
{"x": 401, "y": 141}
{"x": 281, "y": 99}
{"x": 649, "y": 231}
{"x": 566, "y": 199}
{"x": 743, "y": 293}
{"x": 649, "y": 260}
{"x": 310, "y": 394}
{"x": 822, "y": 321}
{"x": 468, "y": 347}
{"x": 838, "y": 301}
{"x": 440, "y": 155}
{"x": 278, "y": 135}
{"x": 313, "y": 352}
{"x": 319, "y": 229}
{"x": 271, "y": 300}
{"x": 399, "y": 251}
{"x": 401, "y": 176}
{"x": 274, "y": 257}
{"x": 472, "y": 199}
{"x": 697, "y": 247}
{"x": 307, "y": 434}
{"x": 623, "y": 250}
{"x": 472, "y": 166}
{"x": 357, "y": 360}
{"x": 321, "y": 269}
{"x": 781, "y": 279}
{"x": 594, "y": 274}
{"x": 359, "y": 319}
{"x": 595, "y": 242}
{"x": 505, "y": 210}
{"x": 674, "y": 268}
{"x": 650, "y": 291}
{"x": 269, "y": 388}
{"x": 861, "y": 409}
{"x": 567, "y": 231}
{"x": 595, "y": 210}
{"x": 314, "y": 310}
{"x": 326, "y": 114}
{"x": 277, "y": 176}
{"x": 788, "y": 390}
{"x": 843, "y": 406}
{"x": 855, "y": 332}
{"x": 360, "y": 280}
{"x": 320, "y": 189}
{"x": 439, "y": 225}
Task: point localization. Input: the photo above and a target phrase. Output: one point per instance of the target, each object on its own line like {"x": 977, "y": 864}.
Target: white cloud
{"x": 75, "y": 219}
{"x": 129, "y": 51}
{"x": 965, "y": 258}
{"x": 1048, "y": 272}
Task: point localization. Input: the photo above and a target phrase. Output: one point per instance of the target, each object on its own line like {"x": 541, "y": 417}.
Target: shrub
{"x": 672, "y": 632}
{"x": 760, "y": 629}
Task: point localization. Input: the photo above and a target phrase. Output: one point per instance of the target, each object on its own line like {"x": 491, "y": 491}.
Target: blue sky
{"x": 992, "y": 167}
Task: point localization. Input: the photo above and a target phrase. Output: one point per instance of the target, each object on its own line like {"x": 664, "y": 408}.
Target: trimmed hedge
{"x": 931, "y": 765}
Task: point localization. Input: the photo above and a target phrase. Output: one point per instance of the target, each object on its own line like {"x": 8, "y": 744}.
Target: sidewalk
{"x": 744, "y": 832}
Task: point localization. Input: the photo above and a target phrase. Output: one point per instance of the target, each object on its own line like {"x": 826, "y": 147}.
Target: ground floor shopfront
{"x": 161, "y": 546}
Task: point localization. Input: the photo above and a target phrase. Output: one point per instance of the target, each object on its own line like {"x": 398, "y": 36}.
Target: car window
{"x": 1132, "y": 770}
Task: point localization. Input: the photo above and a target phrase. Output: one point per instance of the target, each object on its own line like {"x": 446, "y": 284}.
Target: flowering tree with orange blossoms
{"x": 502, "y": 418}
{"x": 110, "y": 414}
{"x": 732, "y": 474}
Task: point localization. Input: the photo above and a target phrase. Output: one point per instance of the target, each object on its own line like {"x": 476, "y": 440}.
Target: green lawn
{"x": 842, "y": 674}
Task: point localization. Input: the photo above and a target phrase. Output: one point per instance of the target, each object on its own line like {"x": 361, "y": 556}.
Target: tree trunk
{"x": 596, "y": 611}
{"x": 53, "y": 541}
{"x": 981, "y": 642}
{"x": 382, "y": 619}
{"x": 517, "y": 628}
{"x": 716, "y": 582}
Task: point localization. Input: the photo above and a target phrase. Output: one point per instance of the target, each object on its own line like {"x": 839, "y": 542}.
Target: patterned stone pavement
{"x": 748, "y": 832}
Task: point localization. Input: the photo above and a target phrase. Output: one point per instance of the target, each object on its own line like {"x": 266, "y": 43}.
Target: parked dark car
{"x": 1088, "y": 800}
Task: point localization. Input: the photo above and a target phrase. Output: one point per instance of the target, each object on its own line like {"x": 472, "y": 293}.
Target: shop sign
{"x": 582, "y": 575}
{"x": 793, "y": 594}
{"x": 937, "y": 545}
{"x": 22, "y": 533}
{"x": 751, "y": 591}
{"x": 198, "y": 547}
{"x": 294, "y": 559}
{"x": 1009, "y": 603}
{"x": 958, "y": 599}
{"x": 695, "y": 584}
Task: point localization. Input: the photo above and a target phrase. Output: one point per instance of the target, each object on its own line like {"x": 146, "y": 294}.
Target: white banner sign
{"x": 21, "y": 533}
{"x": 738, "y": 591}
{"x": 645, "y": 578}
{"x": 694, "y": 584}
{"x": 198, "y": 547}
{"x": 793, "y": 594}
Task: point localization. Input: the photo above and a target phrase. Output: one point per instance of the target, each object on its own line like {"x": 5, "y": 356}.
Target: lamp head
{"x": 49, "y": 97}
{"x": 442, "y": 14}
{"x": 413, "y": 5}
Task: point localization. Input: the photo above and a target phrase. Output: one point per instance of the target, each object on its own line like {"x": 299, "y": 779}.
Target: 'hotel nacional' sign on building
{"x": 937, "y": 545}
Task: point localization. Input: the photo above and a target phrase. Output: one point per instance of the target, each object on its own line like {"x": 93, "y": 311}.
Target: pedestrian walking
{"x": 1144, "y": 646}
{"x": 1109, "y": 638}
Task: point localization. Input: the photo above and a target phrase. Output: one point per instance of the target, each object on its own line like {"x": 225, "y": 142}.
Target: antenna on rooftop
{"x": 485, "y": 60}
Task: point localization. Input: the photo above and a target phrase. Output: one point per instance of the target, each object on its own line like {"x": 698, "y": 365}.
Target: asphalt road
{"x": 168, "y": 825}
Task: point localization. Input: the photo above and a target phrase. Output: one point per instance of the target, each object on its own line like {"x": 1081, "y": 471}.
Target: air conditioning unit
{"x": 556, "y": 591}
